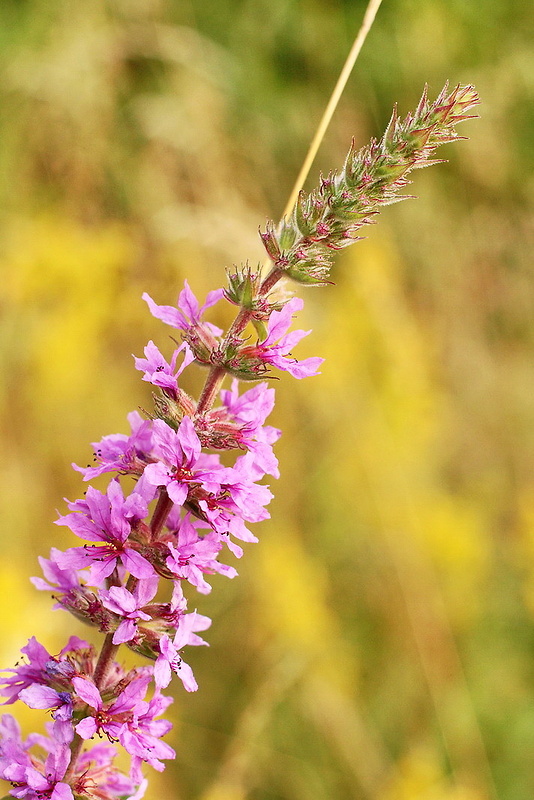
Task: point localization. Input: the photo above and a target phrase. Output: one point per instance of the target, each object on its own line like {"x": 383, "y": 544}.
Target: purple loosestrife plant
{"x": 186, "y": 507}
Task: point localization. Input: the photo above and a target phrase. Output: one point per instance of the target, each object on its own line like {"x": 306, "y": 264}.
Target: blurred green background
{"x": 379, "y": 642}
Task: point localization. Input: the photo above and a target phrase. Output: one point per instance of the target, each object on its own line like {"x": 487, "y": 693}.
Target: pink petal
{"x": 137, "y": 564}
{"x": 157, "y": 474}
{"x": 185, "y": 673}
{"x": 167, "y": 314}
{"x": 86, "y": 728}
{"x": 177, "y": 491}
{"x": 37, "y": 696}
{"x": 125, "y": 632}
{"x": 88, "y": 692}
{"x": 304, "y": 369}
{"x": 188, "y": 303}
{"x": 162, "y": 673}
{"x": 62, "y": 791}
{"x": 189, "y": 441}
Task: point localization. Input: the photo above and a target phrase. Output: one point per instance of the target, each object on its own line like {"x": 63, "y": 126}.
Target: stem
{"x": 104, "y": 660}
{"x": 161, "y": 512}
{"x": 368, "y": 19}
{"x": 107, "y": 654}
{"x": 217, "y": 374}
{"x": 109, "y": 650}
{"x": 272, "y": 278}
{"x": 211, "y": 388}
{"x": 75, "y": 749}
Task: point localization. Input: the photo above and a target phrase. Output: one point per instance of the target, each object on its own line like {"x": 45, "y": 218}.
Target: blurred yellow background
{"x": 379, "y": 641}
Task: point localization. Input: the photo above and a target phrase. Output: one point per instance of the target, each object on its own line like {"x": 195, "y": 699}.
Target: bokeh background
{"x": 379, "y": 642}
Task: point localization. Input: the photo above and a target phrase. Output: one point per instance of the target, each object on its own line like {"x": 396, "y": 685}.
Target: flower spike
{"x": 186, "y": 482}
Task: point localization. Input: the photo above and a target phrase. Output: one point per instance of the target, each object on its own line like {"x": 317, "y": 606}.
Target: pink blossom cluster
{"x": 139, "y": 547}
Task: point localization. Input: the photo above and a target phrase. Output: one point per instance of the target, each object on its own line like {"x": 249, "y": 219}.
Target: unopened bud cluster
{"x": 186, "y": 507}
{"x": 329, "y": 218}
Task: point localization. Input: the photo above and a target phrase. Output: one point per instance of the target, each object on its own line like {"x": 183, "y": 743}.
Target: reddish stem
{"x": 217, "y": 374}
{"x": 104, "y": 660}
{"x": 161, "y": 512}
{"x": 272, "y": 278}
{"x": 109, "y": 650}
{"x": 211, "y": 388}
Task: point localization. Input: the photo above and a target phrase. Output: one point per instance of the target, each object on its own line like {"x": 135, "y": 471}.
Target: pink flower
{"x": 120, "y": 453}
{"x": 30, "y": 777}
{"x": 158, "y": 372}
{"x": 180, "y": 465}
{"x": 129, "y": 606}
{"x": 44, "y": 697}
{"x": 25, "y": 675}
{"x": 188, "y": 313}
{"x": 63, "y": 580}
{"x": 238, "y": 502}
{"x": 106, "y": 519}
{"x": 275, "y": 349}
{"x": 170, "y": 660}
{"x": 43, "y": 669}
{"x": 141, "y": 737}
{"x": 35, "y": 777}
{"x": 249, "y": 411}
{"x": 251, "y": 362}
{"x": 193, "y": 556}
{"x": 110, "y": 718}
